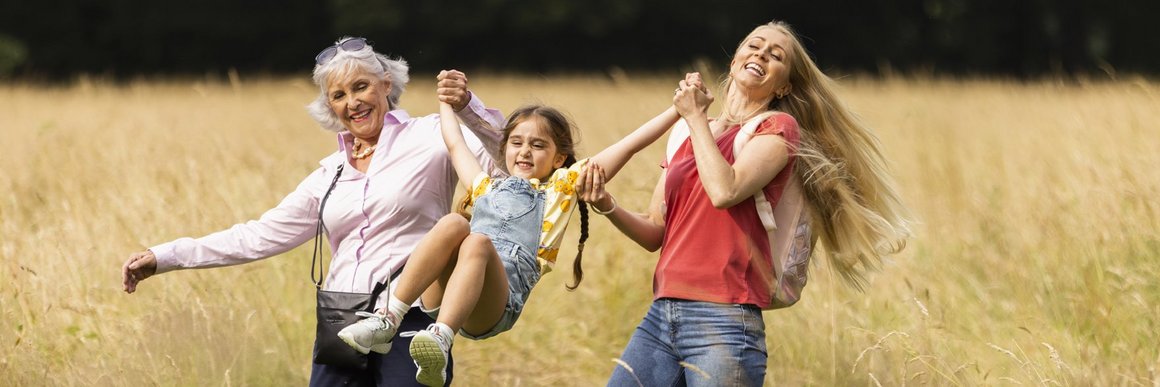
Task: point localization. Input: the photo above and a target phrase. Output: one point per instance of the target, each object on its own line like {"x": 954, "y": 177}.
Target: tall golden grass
{"x": 1035, "y": 263}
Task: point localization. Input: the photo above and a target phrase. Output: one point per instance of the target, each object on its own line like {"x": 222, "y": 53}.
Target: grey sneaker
{"x": 429, "y": 349}
{"x": 373, "y": 333}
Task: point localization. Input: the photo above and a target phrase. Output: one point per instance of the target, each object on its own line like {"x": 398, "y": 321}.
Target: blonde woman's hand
{"x": 692, "y": 98}
{"x": 141, "y": 265}
{"x": 452, "y": 89}
{"x": 694, "y": 80}
{"x": 590, "y": 187}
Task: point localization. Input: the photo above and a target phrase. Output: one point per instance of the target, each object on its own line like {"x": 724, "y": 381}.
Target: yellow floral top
{"x": 559, "y": 201}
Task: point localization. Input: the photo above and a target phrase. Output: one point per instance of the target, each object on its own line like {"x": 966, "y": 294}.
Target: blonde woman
{"x": 711, "y": 281}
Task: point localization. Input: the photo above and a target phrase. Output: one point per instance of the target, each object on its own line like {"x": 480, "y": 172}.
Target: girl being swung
{"x": 474, "y": 277}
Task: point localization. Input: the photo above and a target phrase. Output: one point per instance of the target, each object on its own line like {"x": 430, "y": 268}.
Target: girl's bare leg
{"x": 433, "y": 261}
{"x": 477, "y": 291}
{"x": 433, "y": 258}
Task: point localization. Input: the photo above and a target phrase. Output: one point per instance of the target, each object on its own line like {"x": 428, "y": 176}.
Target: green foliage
{"x": 12, "y": 55}
{"x": 1022, "y": 38}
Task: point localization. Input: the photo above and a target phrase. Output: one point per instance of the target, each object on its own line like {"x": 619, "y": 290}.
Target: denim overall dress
{"x": 512, "y": 215}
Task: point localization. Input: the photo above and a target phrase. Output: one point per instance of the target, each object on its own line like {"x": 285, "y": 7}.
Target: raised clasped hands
{"x": 451, "y": 87}
{"x": 692, "y": 97}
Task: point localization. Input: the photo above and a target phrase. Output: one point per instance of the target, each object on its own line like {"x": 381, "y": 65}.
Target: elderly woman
{"x": 389, "y": 182}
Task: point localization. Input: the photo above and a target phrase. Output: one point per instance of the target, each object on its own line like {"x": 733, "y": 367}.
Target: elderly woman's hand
{"x": 452, "y": 89}
{"x": 692, "y": 97}
{"x": 141, "y": 265}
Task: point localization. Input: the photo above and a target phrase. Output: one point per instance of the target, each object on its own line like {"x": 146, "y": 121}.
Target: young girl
{"x": 475, "y": 277}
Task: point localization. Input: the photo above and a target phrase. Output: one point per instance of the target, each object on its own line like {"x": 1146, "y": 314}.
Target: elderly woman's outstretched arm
{"x": 284, "y": 227}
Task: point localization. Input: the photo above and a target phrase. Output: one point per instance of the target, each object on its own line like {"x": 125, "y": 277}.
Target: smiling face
{"x": 530, "y": 151}
{"x": 760, "y": 67}
{"x": 359, "y": 99}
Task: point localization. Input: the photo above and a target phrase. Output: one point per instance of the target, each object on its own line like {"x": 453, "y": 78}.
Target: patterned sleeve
{"x": 479, "y": 186}
{"x": 559, "y": 203}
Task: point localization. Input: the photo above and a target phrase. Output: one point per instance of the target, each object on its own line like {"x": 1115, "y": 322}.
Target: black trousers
{"x": 393, "y": 369}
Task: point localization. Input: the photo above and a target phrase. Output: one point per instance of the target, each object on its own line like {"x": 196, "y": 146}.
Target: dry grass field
{"x": 1035, "y": 263}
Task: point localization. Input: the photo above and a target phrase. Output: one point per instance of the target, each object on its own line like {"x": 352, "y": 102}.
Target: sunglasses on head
{"x": 352, "y": 44}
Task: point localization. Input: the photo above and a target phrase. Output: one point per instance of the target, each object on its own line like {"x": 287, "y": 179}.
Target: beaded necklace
{"x": 361, "y": 150}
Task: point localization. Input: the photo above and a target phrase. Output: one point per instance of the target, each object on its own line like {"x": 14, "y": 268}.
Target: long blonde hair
{"x": 855, "y": 206}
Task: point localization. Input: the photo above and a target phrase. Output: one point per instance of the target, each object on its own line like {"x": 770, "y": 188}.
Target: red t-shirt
{"x": 718, "y": 255}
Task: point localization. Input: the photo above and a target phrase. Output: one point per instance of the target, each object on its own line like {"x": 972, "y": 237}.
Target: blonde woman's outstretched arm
{"x": 615, "y": 156}
{"x": 647, "y": 229}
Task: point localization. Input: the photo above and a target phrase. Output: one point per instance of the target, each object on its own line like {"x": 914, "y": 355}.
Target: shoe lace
{"x": 384, "y": 323}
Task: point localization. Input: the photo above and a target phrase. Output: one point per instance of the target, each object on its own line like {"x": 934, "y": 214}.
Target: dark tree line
{"x": 1025, "y": 38}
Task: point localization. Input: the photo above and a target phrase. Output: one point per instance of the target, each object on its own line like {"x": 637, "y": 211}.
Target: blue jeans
{"x": 393, "y": 369}
{"x": 721, "y": 345}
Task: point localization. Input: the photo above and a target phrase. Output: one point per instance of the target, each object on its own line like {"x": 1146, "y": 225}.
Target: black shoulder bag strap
{"x": 316, "y": 274}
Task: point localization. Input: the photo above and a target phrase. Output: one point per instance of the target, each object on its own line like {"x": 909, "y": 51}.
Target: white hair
{"x": 348, "y": 62}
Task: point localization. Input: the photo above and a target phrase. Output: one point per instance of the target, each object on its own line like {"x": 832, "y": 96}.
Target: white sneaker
{"x": 429, "y": 349}
{"x": 373, "y": 333}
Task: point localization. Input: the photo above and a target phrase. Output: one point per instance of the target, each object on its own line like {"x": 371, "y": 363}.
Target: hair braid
{"x": 577, "y": 269}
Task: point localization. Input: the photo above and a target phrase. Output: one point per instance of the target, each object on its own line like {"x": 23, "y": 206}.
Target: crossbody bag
{"x": 337, "y": 310}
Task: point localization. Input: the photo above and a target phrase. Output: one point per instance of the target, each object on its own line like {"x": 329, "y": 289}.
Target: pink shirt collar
{"x": 392, "y": 123}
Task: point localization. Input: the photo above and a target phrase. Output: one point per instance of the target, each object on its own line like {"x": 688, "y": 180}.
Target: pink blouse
{"x": 373, "y": 219}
